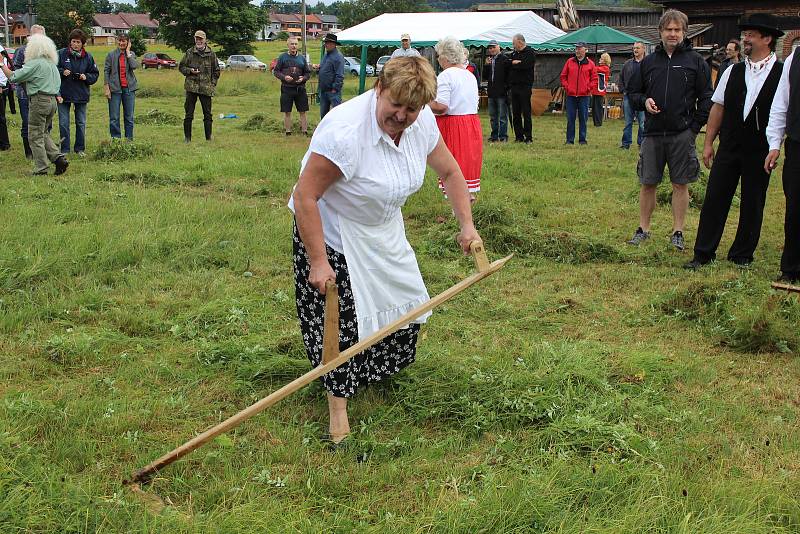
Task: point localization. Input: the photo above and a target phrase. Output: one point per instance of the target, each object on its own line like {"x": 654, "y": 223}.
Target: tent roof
{"x": 597, "y": 33}
{"x": 471, "y": 28}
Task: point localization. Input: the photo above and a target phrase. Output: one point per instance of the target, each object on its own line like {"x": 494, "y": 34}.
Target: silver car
{"x": 381, "y": 62}
{"x": 245, "y": 62}
{"x": 352, "y": 66}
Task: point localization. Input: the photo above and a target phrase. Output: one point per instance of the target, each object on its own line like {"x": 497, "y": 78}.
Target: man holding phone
{"x": 199, "y": 65}
{"x": 120, "y": 86}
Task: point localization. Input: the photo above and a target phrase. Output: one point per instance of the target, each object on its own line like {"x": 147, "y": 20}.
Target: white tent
{"x": 471, "y": 28}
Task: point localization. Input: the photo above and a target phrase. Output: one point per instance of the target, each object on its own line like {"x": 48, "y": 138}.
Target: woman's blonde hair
{"x": 605, "y": 59}
{"x": 41, "y": 46}
{"x": 410, "y": 80}
{"x": 451, "y": 50}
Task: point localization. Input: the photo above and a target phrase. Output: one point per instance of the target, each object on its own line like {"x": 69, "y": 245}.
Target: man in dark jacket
{"x": 78, "y": 72}
{"x": 293, "y": 71}
{"x": 495, "y": 72}
{"x": 331, "y": 76}
{"x": 520, "y": 82}
{"x": 742, "y": 102}
{"x": 199, "y": 65}
{"x": 578, "y": 77}
{"x": 628, "y": 70}
{"x": 673, "y": 85}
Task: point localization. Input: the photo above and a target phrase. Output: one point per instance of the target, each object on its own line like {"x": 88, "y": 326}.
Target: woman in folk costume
{"x": 456, "y": 109}
{"x": 365, "y": 158}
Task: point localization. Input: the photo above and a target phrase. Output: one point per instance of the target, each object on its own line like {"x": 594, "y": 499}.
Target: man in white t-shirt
{"x": 405, "y": 49}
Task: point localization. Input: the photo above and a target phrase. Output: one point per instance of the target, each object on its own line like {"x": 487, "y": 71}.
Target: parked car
{"x": 381, "y": 62}
{"x": 158, "y": 61}
{"x": 245, "y": 62}
{"x": 353, "y": 66}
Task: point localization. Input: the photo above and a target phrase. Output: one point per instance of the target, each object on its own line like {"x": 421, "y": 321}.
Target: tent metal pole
{"x": 362, "y": 76}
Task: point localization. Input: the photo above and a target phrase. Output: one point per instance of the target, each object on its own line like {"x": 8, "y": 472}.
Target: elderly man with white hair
{"x": 456, "y": 110}
{"x": 42, "y": 83}
{"x": 520, "y": 82}
{"x": 22, "y": 96}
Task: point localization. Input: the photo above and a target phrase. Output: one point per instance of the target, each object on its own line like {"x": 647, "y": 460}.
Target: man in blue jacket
{"x": 331, "y": 76}
{"x": 78, "y": 72}
{"x": 673, "y": 85}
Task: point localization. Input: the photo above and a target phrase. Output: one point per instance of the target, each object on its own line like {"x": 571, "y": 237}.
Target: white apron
{"x": 384, "y": 274}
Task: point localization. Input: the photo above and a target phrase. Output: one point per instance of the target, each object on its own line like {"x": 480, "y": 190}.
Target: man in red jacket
{"x": 578, "y": 77}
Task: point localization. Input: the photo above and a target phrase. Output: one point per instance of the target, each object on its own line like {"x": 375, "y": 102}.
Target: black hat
{"x": 331, "y": 38}
{"x": 763, "y": 22}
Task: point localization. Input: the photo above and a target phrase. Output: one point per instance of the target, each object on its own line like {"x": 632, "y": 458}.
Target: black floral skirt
{"x": 380, "y": 361}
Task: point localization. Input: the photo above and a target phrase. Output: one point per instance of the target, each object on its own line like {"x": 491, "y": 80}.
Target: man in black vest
{"x": 742, "y": 102}
{"x": 785, "y": 119}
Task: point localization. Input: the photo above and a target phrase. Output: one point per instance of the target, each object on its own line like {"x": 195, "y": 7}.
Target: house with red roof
{"x": 106, "y": 26}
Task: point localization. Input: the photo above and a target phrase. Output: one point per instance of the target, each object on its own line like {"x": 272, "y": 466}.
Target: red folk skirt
{"x": 463, "y": 136}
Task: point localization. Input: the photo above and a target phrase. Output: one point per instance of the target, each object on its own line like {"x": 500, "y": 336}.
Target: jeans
{"x": 188, "y": 108}
{"x": 328, "y": 100}
{"x": 24, "y": 106}
{"x": 127, "y": 98}
{"x": 630, "y": 114}
{"x": 498, "y": 117}
{"x": 80, "y": 126}
{"x": 577, "y": 105}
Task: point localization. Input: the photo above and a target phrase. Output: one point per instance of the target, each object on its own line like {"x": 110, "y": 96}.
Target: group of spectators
{"x": 50, "y": 81}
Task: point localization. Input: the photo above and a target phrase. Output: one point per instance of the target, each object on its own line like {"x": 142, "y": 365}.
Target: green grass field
{"x": 587, "y": 387}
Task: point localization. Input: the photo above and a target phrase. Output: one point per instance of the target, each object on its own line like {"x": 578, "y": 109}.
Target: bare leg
{"x": 287, "y": 121}
{"x": 339, "y": 426}
{"x": 647, "y": 203}
{"x": 303, "y": 122}
{"x": 680, "y": 204}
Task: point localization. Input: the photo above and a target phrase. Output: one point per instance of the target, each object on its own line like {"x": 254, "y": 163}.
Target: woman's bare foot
{"x": 339, "y": 427}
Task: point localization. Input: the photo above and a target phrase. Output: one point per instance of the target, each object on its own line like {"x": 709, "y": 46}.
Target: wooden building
{"x": 725, "y": 16}
{"x": 610, "y": 16}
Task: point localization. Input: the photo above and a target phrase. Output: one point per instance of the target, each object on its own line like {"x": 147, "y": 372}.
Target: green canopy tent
{"x": 596, "y": 34}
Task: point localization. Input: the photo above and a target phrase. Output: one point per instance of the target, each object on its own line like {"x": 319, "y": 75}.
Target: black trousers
{"x": 598, "y": 109}
{"x": 188, "y": 107}
{"x": 4, "y": 142}
{"x": 729, "y": 167}
{"x": 521, "y": 113}
{"x": 790, "y": 260}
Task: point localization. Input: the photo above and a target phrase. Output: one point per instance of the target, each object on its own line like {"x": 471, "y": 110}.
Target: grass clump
{"x": 262, "y": 123}
{"x": 158, "y": 117}
{"x": 151, "y": 178}
{"x": 118, "y": 150}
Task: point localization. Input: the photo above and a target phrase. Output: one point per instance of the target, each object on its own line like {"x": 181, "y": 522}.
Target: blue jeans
{"x": 80, "y": 126}
{"x": 630, "y": 114}
{"x": 328, "y": 100}
{"x": 498, "y": 117}
{"x": 577, "y": 105}
{"x": 127, "y": 99}
{"x": 23, "y": 113}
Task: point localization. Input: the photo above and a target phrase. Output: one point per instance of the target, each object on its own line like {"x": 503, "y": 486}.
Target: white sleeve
{"x": 719, "y": 92}
{"x": 444, "y": 88}
{"x": 338, "y": 142}
{"x": 396, "y": 53}
{"x": 427, "y": 121}
{"x": 776, "y": 126}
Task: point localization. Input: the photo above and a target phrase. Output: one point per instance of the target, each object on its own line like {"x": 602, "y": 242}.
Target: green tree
{"x": 138, "y": 43}
{"x": 60, "y": 17}
{"x": 231, "y": 24}
{"x": 357, "y": 11}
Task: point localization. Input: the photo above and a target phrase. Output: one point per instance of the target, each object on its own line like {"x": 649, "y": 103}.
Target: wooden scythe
{"x": 331, "y": 359}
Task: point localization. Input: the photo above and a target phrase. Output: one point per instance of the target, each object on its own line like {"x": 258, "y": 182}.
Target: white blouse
{"x": 458, "y": 90}
{"x": 360, "y": 212}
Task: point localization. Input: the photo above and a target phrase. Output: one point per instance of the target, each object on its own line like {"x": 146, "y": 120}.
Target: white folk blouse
{"x": 457, "y": 89}
{"x": 360, "y": 212}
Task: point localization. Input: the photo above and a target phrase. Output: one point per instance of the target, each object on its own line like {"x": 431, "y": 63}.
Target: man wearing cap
{"x": 520, "y": 84}
{"x": 331, "y": 76}
{"x": 673, "y": 85}
{"x": 405, "y": 49}
{"x": 740, "y": 113}
{"x": 784, "y": 118}
{"x": 199, "y": 65}
{"x": 578, "y": 77}
{"x": 495, "y": 72}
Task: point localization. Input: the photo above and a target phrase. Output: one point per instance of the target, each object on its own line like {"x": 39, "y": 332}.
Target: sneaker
{"x": 677, "y": 240}
{"x": 638, "y": 237}
{"x": 625, "y": 147}
{"x": 583, "y": 143}
{"x": 61, "y": 165}
{"x": 288, "y": 134}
